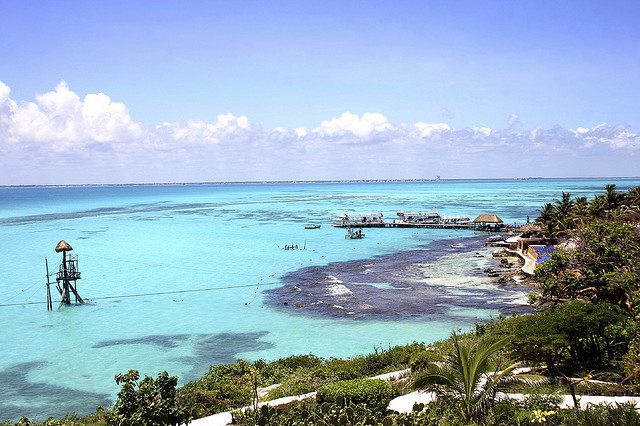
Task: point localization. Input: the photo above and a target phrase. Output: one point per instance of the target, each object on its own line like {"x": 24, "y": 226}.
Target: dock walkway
{"x": 471, "y": 227}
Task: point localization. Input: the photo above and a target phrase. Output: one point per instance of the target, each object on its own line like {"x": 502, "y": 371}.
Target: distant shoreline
{"x": 80, "y": 185}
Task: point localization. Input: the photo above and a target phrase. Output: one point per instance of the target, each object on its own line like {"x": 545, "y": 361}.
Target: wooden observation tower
{"x": 66, "y": 276}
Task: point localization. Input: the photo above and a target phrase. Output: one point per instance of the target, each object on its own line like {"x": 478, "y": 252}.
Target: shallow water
{"x": 343, "y": 297}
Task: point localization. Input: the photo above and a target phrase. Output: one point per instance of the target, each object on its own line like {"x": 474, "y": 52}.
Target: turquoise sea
{"x": 181, "y": 277}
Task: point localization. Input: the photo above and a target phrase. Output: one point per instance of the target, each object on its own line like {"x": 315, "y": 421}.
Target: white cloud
{"x": 427, "y": 129}
{"x": 63, "y": 120}
{"x": 617, "y": 137}
{"x": 536, "y": 134}
{"x": 96, "y": 137}
{"x": 484, "y": 130}
{"x": 227, "y": 129}
{"x": 300, "y": 131}
{"x": 4, "y": 92}
{"x": 348, "y": 123}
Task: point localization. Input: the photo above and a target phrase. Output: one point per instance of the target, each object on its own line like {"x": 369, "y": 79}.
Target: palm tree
{"x": 612, "y": 198}
{"x": 632, "y": 197}
{"x": 580, "y": 210}
{"x": 547, "y": 216}
{"x": 565, "y": 205}
{"x": 466, "y": 376}
{"x": 627, "y": 214}
{"x": 564, "y": 224}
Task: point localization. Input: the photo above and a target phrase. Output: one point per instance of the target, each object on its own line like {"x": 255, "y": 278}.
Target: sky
{"x": 206, "y": 91}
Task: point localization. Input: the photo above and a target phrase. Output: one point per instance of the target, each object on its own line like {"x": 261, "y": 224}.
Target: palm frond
{"x": 466, "y": 375}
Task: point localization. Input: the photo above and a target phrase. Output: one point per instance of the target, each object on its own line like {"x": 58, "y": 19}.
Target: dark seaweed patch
{"x": 389, "y": 287}
{"x": 162, "y": 341}
{"x": 222, "y": 348}
{"x": 208, "y": 349}
{"x": 20, "y": 397}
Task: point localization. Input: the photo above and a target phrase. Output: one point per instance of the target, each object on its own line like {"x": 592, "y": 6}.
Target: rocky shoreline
{"x": 509, "y": 270}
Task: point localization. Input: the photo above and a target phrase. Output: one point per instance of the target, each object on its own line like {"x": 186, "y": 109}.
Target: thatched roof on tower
{"x": 487, "y": 218}
{"x": 63, "y": 246}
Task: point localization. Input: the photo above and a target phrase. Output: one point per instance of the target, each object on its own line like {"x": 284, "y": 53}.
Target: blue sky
{"x": 181, "y": 90}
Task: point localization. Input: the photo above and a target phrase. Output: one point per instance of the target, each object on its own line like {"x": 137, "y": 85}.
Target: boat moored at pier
{"x": 412, "y": 219}
{"x": 432, "y": 219}
{"x": 456, "y": 220}
{"x": 358, "y": 220}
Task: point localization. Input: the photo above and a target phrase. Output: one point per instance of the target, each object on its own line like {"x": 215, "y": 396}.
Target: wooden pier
{"x": 425, "y": 220}
{"x": 470, "y": 227}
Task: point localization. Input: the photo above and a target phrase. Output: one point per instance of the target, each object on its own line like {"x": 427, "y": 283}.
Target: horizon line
{"x": 309, "y": 181}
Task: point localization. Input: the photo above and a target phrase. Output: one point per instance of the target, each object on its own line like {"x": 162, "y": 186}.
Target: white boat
{"x": 456, "y": 220}
{"x": 358, "y": 220}
{"x": 417, "y": 218}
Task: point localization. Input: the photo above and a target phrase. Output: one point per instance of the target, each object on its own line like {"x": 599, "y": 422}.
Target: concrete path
{"x": 404, "y": 403}
{"x": 222, "y": 419}
{"x": 529, "y": 266}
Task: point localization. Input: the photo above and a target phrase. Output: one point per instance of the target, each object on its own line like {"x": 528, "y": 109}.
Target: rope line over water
{"x": 147, "y": 264}
{"x": 159, "y": 293}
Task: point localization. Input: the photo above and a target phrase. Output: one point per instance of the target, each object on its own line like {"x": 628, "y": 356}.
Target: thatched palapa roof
{"x": 532, "y": 228}
{"x": 63, "y": 246}
{"x": 487, "y": 218}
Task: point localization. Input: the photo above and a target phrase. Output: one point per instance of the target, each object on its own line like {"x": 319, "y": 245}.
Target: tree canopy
{"x": 601, "y": 263}
{"x": 567, "y": 213}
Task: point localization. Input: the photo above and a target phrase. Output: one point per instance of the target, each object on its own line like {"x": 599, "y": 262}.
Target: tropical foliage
{"x": 148, "y": 402}
{"x": 468, "y": 377}
{"x": 374, "y": 393}
{"x": 566, "y": 213}
{"x": 571, "y": 337}
{"x": 601, "y": 263}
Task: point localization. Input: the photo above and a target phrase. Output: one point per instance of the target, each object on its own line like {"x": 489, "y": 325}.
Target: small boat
{"x": 312, "y": 227}
{"x": 354, "y": 235}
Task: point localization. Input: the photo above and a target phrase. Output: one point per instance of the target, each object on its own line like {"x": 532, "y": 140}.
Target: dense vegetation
{"x": 585, "y": 327}
{"x": 567, "y": 213}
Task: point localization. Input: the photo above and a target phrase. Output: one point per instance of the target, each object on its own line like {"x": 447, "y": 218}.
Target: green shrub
{"x": 233, "y": 372}
{"x": 310, "y": 414}
{"x": 392, "y": 359}
{"x": 540, "y": 401}
{"x": 294, "y": 362}
{"x": 148, "y": 402}
{"x": 420, "y": 360}
{"x": 379, "y": 362}
{"x": 620, "y": 414}
{"x": 375, "y": 393}
{"x": 299, "y": 382}
{"x": 572, "y": 336}
{"x": 278, "y": 371}
{"x": 346, "y": 369}
{"x": 220, "y": 390}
